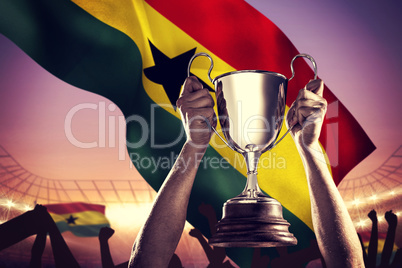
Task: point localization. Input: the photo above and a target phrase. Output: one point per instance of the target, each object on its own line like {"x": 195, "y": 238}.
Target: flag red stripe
{"x": 245, "y": 39}
{"x": 256, "y": 42}
{"x": 366, "y": 236}
{"x": 68, "y": 208}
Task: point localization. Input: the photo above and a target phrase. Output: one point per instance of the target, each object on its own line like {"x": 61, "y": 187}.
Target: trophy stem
{"x": 252, "y": 190}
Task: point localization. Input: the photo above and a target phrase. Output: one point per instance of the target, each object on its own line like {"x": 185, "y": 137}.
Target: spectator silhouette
{"x": 175, "y": 262}
{"x": 37, "y": 250}
{"x": 371, "y": 257}
{"x": 258, "y": 260}
{"x": 208, "y": 212}
{"x": 392, "y": 220}
{"x": 298, "y": 258}
{"x": 373, "y": 244}
{"x": 37, "y": 221}
{"x": 363, "y": 250}
{"x": 107, "y": 262}
{"x": 397, "y": 262}
{"x": 215, "y": 255}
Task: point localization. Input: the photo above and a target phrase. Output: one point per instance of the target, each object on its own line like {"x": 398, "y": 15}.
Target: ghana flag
{"x": 82, "y": 219}
{"x": 135, "y": 53}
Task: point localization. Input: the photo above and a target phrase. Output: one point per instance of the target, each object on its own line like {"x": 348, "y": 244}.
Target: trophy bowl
{"x": 251, "y": 106}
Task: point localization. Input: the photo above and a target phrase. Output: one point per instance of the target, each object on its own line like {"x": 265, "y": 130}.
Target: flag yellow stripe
{"x": 142, "y": 23}
{"x": 281, "y": 172}
{"x": 380, "y": 246}
{"x": 83, "y": 218}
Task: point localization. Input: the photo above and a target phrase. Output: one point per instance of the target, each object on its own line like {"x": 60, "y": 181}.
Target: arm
{"x": 160, "y": 235}
{"x": 37, "y": 250}
{"x": 104, "y": 234}
{"x": 63, "y": 257}
{"x": 373, "y": 244}
{"x": 203, "y": 242}
{"x": 336, "y": 236}
{"x": 392, "y": 220}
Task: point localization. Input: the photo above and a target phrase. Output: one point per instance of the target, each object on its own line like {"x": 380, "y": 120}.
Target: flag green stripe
{"x": 74, "y": 46}
{"x": 84, "y": 52}
{"x": 81, "y": 230}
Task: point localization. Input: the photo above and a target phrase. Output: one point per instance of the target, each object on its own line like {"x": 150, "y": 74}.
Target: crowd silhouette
{"x": 107, "y": 262}
{"x": 39, "y": 222}
{"x": 216, "y": 255}
{"x": 370, "y": 257}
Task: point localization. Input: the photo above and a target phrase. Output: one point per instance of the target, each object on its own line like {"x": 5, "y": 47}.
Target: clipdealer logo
{"x": 112, "y": 134}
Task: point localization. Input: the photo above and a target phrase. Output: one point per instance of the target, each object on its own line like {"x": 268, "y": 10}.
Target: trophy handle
{"x": 210, "y": 79}
{"x": 293, "y": 75}
{"x": 304, "y": 56}
{"x": 197, "y": 55}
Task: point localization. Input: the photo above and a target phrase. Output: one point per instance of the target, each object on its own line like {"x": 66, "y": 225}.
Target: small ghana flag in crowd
{"x": 82, "y": 219}
{"x": 136, "y": 52}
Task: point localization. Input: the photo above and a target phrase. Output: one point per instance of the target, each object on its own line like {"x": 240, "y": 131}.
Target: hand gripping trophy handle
{"x": 293, "y": 75}
{"x": 210, "y": 79}
{"x": 313, "y": 62}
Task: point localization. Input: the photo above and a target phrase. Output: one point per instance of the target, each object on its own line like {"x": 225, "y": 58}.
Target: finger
{"x": 310, "y": 112}
{"x": 200, "y": 98}
{"x": 305, "y": 94}
{"x": 311, "y": 103}
{"x": 202, "y": 117}
{"x": 191, "y": 84}
{"x": 196, "y": 95}
{"x": 305, "y": 112}
{"x": 291, "y": 118}
{"x": 310, "y": 100}
{"x": 200, "y": 102}
{"x": 316, "y": 86}
{"x": 306, "y": 104}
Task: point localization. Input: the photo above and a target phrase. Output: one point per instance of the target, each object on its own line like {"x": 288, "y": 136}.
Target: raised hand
{"x": 307, "y": 113}
{"x": 105, "y": 233}
{"x": 372, "y": 215}
{"x": 196, "y": 106}
{"x": 195, "y": 233}
{"x": 391, "y": 218}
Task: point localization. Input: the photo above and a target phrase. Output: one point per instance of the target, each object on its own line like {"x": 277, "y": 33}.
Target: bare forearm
{"x": 336, "y": 235}
{"x": 206, "y": 247}
{"x": 162, "y": 231}
{"x": 106, "y": 257}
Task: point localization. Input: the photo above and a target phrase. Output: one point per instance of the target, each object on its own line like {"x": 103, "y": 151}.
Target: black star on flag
{"x": 71, "y": 219}
{"x": 170, "y": 73}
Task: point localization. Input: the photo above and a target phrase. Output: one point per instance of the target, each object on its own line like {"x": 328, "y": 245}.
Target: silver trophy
{"x": 251, "y": 107}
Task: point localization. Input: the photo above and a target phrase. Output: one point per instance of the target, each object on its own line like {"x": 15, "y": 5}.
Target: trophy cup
{"x": 251, "y": 106}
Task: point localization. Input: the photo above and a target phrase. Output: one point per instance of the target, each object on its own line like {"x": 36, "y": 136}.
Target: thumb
{"x": 191, "y": 84}
{"x": 316, "y": 86}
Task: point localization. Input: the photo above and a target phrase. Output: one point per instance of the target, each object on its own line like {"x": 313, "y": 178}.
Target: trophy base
{"x": 252, "y": 222}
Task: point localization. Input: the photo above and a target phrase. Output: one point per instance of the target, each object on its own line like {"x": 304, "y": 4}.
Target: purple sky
{"x": 356, "y": 45}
